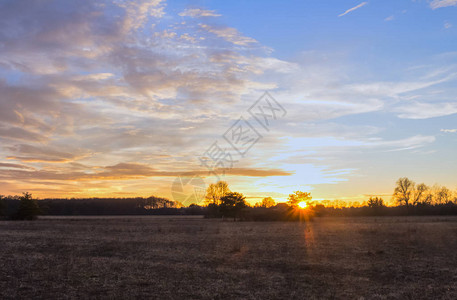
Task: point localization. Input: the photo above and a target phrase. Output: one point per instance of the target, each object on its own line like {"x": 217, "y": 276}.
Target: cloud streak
{"x": 229, "y": 34}
{"x": 121, "y": 171}
{"x": 449, "y": 130}
{"x": 442, "y": 3}
{"x": 354, "y": 8}
{"x": 423, "y": 110}
{"x": 198, "y": 13}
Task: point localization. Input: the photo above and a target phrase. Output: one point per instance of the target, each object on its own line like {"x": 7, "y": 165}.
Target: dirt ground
{"x": 196, "y": 258}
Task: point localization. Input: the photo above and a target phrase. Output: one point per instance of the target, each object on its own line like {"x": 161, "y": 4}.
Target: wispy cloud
{"x": 389, "y": 18}
{"x": 354, "y": 8}
{"x": 229, "y": 34}
{"x": 197, "y": 13}
{"x": 442, "y": 3}
{"x": 449, "y": 130}
{"x": 421, "y": 110}
{"x": 15, "y": 166}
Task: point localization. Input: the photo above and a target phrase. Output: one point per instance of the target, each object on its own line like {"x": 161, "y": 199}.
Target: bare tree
{"x": 422, "y": 194}
{"x": 428, "y": 198}
{"x": 216, "y": 191}
{"x": 443, "y": 195}
{"x": 403, "y": 191}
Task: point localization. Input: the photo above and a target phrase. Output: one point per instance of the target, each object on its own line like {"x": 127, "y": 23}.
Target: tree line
{"x": 220, "y": 202}
{"x": 409, "y": 199}
{"x": 25, "y": 207}
{"x": 408, "y": 193}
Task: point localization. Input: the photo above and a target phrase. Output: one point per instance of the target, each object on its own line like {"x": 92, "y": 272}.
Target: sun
{"x": 302, "y": 204}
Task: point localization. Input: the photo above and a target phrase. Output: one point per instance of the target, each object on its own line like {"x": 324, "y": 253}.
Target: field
{"x": 190, "y": 257}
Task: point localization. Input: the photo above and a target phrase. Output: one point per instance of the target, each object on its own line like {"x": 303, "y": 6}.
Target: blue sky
{"x": 118, "y": 98}
{"x": 293, "y": 26}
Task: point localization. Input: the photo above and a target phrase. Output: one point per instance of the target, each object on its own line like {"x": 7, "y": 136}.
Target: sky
{"x": 132, "y": 98}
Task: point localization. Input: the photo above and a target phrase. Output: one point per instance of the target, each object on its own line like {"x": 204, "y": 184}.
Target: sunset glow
{"x": 302, "y": 205}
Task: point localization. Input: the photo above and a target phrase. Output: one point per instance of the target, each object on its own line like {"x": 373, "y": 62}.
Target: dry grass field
{"x": 195, "y": 258}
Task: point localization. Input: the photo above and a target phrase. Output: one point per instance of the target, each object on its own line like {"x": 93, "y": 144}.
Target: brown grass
{"x": 183, "y": 257}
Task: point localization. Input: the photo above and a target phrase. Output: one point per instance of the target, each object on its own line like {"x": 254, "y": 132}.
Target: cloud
{"x": 136, "y": 169}
{"x": 331, "y": 144}
{"x": 389, "y": 18}
{"x": 137, "y": 13}
{"x": 410, "y": 143}
{"x": 257, "y": 172}
{"x": 17, "y": 133}
{"x": 254, "y": 64}
{"x": 354, "y": 8}
{"x": 442, "y": 3}
{"x": 424, "y": 110}
{"x": 29, "y": 153}
{"x": 449, "y": 130}
{"x": 108, "y": 86}
{"x": 229, "y": 34}
{"x": 197, "y": 13}
{"x": 15, "y": 166}
{"x": 120, "y": 171}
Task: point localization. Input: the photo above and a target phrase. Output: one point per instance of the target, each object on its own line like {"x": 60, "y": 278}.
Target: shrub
{"x": 28, "y": 208}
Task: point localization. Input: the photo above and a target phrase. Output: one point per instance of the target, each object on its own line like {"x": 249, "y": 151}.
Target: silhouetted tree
{"x": 298, "y": 197}
{"x": 216, "y": 191}
{"x": 403, "y": 191}
{"x": 195, "y": 209}
{"x": 375, "y": 202}
{"x": 28, "y": 208}
{"x": 2, "y": 206}
{"x": 232, "y": 204}
{"x": 266, "y": 203}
